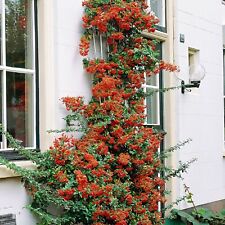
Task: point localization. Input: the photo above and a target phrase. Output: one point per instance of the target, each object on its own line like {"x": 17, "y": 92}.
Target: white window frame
{"x": 28, "y": 72}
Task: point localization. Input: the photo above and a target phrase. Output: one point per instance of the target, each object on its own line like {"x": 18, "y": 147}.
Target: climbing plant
{"x": 111, "y": 174}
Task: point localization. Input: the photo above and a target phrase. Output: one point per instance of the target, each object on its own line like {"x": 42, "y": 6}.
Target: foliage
{"x": 202, "y": 216}
{"x": 198, "y": 216}
{"x": 113, "y": 173}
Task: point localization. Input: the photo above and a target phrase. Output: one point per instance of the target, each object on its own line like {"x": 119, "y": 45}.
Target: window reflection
{"x": 1, "y": 32}
{"x": 152, "y": 107}
{"x": 159, "y": 8}
{"x": 224, "y": 72}
{"x": 1, "y": 107}
{"x": 18, "y": 33}
{"x": 20, "y": 107}
{"x": 152, "y": 80}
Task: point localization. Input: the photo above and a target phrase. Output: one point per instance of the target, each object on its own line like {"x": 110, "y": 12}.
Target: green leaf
{"x": 206, "y": 214}
{"x": 174, "y": 222}
{"x": 187, "y": 217}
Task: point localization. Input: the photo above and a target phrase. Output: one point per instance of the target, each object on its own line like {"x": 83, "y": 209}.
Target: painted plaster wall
{"x": 62, "y": 75}
{"x": 200, "y": 112}
{"x": 223, "y": 19}
{"x": 71, "y": 78}
{"x": 13, "y": 199}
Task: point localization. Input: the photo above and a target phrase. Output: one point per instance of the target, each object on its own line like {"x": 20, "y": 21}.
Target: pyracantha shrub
{"x": 110, "y": 175}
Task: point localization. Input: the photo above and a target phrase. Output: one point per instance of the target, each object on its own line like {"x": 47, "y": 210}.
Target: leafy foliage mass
{"x": 110, "y": 175}
{"x": 200, "y": 216}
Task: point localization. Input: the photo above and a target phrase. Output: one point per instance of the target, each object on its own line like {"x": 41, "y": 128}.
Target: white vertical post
{"x": 46, "y": 52}
{"x": 107, "y": 48}
{"x": 145, "y": 100}
{"x": 34, "y": 78}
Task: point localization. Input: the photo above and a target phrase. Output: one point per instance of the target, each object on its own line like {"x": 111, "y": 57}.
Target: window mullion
{"x": 4, "y": 100}
{"x": 151, "y": 86}
{"x": 3, "y": 35}
{"x": 34, "y": 74}
{"x": 18, "y": 70}
{"x": 4, "y": 109}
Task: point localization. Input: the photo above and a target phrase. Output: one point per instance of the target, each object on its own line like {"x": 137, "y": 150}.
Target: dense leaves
{"x": 200, "y": 216}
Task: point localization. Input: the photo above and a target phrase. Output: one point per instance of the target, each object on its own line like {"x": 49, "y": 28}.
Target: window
{"x": 159, "y": 8}
{"x": 193, "y": 57}
{"x": 17, "y": 72}
{"x": 196, "y": 71}
{"x": 99, "y": 47}
{"x": 154, "y": 102}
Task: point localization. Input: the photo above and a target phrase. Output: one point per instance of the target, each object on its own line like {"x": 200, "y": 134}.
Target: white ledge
{"x": 157, "y": 34}
{"x": 7, "y": 173}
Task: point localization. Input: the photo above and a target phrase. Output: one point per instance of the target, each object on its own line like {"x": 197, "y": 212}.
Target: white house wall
{"x": 223, "y": 23}
{"x": 200, "y": 112}
{"x": 13, "y": 199}
{"x": 71, "y": 79}
{"x": 64, "y": 70}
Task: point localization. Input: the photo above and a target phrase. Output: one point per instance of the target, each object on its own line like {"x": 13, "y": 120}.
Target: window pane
{"x": 224, "y": 116}
{"x": 158, "y": 7}
{"x": 152, "y": 80}
{"x": 224, "y": 71}
{"x": 152, "y": 107}
{"x": 1, "y": 32}
{"x": 20, "y": 107}
{"x": 98, "y": 46}
{"x": 1, "y": 107}
{"x": 19, "y": 42}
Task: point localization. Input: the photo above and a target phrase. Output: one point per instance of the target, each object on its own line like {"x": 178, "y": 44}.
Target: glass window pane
{"x": 152, "y": 80}
{"x": 19, "y": 42}
{"x": 20, "y": 107}
{"x": 159, "y": 8}
{"x": 1, "y": 96}
{"x": 152, "y": 107}
{"x": 224, "y": 71}
{"x": 98, "y": 46}
{"x": 1, "y": 32}
{"x": 224, "y": 116}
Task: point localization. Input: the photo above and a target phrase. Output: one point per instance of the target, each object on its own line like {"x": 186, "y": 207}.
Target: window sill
{"x": 7, "y": 173}
{"x": 157, "y": 34}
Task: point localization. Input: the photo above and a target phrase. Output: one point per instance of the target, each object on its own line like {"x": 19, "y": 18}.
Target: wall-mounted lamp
{"x": 196, "y": 74}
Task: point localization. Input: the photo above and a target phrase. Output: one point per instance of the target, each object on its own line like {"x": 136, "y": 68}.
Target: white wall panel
{"x": 71, "y": 79}
{"x": 13, "y": 199}
{"x": 200, "y": 112}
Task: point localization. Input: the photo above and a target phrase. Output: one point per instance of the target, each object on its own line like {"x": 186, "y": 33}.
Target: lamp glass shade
{"x": 196, "y": 72}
